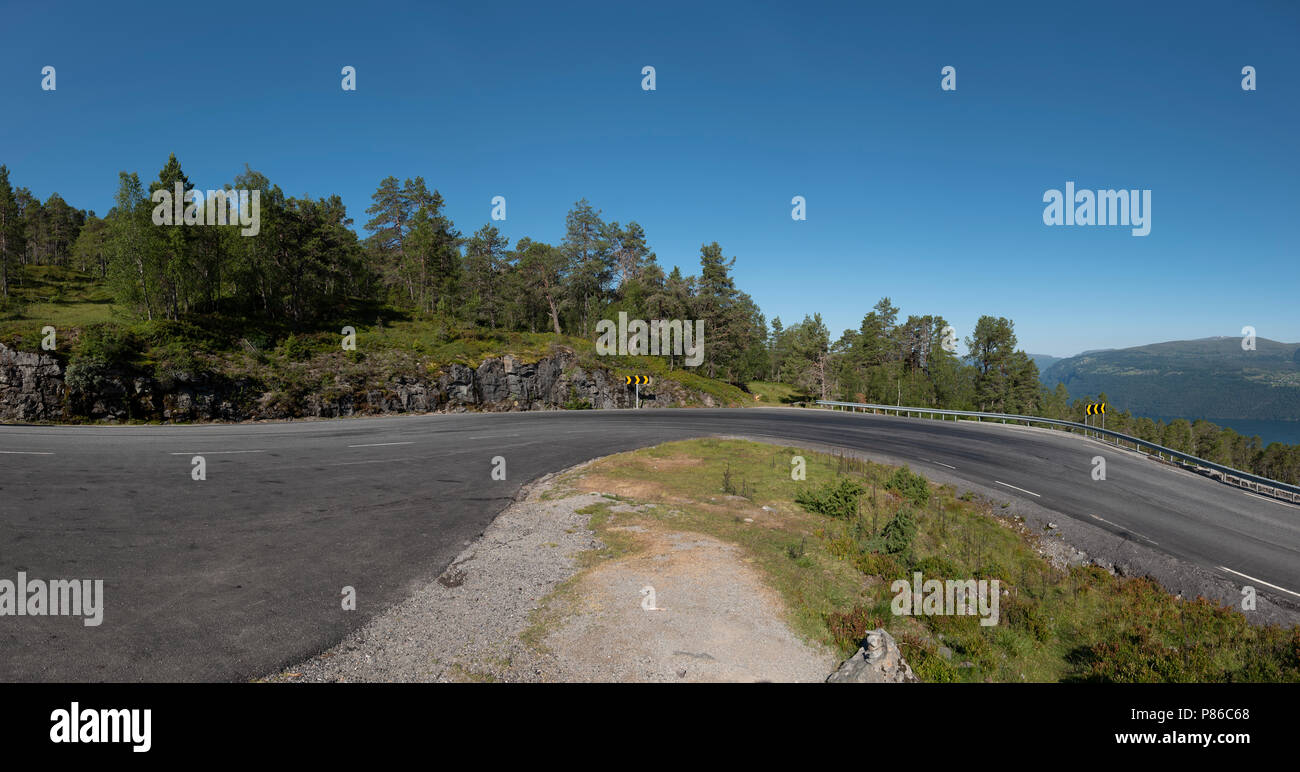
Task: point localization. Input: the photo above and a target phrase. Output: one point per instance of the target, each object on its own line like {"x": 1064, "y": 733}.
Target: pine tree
{"x": 175, "y": 242}
{"x": 12, "y": 241}
{"x": 485, "y": 267}
{"x": 388, "y": 229}
{"x": 590, "y": 263}
{"x": 541, "y": 267}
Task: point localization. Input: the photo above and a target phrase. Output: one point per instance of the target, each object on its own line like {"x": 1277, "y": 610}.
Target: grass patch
{"x": 834, "y": 570}
{"x": 770, "y": 393}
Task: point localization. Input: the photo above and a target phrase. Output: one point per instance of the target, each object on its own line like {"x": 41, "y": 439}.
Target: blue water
{"x": 1269, "y": 431}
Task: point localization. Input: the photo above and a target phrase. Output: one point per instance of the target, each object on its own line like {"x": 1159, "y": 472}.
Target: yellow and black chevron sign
{"x": 639, "y": 380}
{"x": 1096, "y": 408}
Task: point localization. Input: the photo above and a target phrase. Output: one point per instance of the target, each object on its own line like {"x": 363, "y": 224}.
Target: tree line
{"x": 307, "y": 265}
{"x": 33, "y": 232}
{"x": 907, "y": 362}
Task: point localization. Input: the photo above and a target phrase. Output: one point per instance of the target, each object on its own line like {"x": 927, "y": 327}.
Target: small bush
{"x": 837, "y": 499}
{"x": 848, "y": 628}
{"x": 910, "y": 486}
{"x": 937, "y": 567}
{"x": 174, "y": 360}
{"x": 296, "y": 348}
{"x": 925, "y": 660}
{"x": 880, "y": 564}
{"x": 100, "y": 350}
{"x": 575, "y": 403}
{"x": 897, "y": 535}
{"x": 1022, "y": 614}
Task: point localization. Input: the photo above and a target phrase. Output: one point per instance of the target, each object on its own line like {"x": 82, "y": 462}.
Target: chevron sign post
{"x": 1097, "y": 408}
{"x": 638, "y": 381}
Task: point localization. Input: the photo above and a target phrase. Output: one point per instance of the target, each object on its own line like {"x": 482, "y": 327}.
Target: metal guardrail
{"x": 1230, "y": 475}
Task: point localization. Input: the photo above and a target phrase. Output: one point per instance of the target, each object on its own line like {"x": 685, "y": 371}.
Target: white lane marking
{"x": 215, "y": 452}
{"x": 379, "y": 461}
{"x": 1261, "y": 581}
{"x": 381, "y": 444}
{"x": 940, "y": 463}
{"x": 1022, "y": 490}
{"x": 1125, "y": 528}
{"x": 26, "y": 453}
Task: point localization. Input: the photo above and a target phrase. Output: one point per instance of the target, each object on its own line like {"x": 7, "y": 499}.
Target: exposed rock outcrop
{"x": 33, "y": 388}
{"x": 879, "y": 661}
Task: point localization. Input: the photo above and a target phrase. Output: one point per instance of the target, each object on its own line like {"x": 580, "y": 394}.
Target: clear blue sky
{"x": 933, "y": 198}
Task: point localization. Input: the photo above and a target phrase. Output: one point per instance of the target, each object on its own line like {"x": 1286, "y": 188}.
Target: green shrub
{"x": 937, "y": 567}
{"x": 836, "y": 499}
{"x": 109, "y": 343}
{"x": 175, "y": 359}
{"x": 925, "y": 660}
{"x": 848, "y": 628}
{"x": 897, "y": 535}
{"x": 183, "y": 333}
{"x": 100, "y": 350}
{"x": 1022, "y": 614}
{"x": 296, "y": 348}
{"x": 910, "y": 486}
{"x": 574, "y": 403}
{"x": 880, "y": 564}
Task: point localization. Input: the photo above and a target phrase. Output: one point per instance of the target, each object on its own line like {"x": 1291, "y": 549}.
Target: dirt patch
{"x": 685, "y": 607}
{"x": 517, "y": 605}
{"x": 642, "y": 490}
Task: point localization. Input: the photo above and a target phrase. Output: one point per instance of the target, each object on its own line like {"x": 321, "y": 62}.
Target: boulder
{"x": 878, "y": 661}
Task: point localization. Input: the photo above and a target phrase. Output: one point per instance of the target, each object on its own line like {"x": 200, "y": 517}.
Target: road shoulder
{"x": 539, "y": 597}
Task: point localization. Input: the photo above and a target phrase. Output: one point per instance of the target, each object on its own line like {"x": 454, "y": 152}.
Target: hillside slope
{"x": 1210, "y": 377}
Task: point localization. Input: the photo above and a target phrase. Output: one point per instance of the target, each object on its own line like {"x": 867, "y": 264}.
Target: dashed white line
{"x": 940, "y": 463}
{"x": 1022, "y": 490}
{"x": 381, "y": 444}
{"x": 379, "y": 461}
{"x": 215, "y": 452}
{"x": 1125, "y": 528}
{"x": 26, "y": 453}
{"x": 1261, "y": 581}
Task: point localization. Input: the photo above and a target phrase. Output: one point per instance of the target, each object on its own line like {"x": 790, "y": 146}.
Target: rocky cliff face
{"x": 33, "y": 389}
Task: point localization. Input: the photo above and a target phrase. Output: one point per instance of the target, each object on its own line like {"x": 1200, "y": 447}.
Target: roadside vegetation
{"x": 832, "y": 544}
{"x": 772, "y": 393}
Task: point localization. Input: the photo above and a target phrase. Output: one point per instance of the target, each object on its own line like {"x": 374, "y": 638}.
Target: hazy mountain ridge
{"x": 1044, "y": 361}
{"x": 1210, "y": 378}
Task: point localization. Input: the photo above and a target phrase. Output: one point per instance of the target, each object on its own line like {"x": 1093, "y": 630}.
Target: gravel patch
{"x": 712, "y": 618}
{"x": 465, "y": 625}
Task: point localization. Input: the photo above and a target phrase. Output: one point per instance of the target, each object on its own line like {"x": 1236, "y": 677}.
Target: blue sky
{"x": 933, "y": 198}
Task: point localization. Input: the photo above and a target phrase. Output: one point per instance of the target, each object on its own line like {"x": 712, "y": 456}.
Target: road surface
{"x": 237, "y": 575}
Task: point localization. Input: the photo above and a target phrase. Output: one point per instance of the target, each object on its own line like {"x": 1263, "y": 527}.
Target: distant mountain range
{"x": 1210, "y": 378}
{"x": 1044, "y": 361}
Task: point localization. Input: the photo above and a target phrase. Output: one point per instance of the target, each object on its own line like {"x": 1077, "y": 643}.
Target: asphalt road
{"x": 234, "y": 576}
